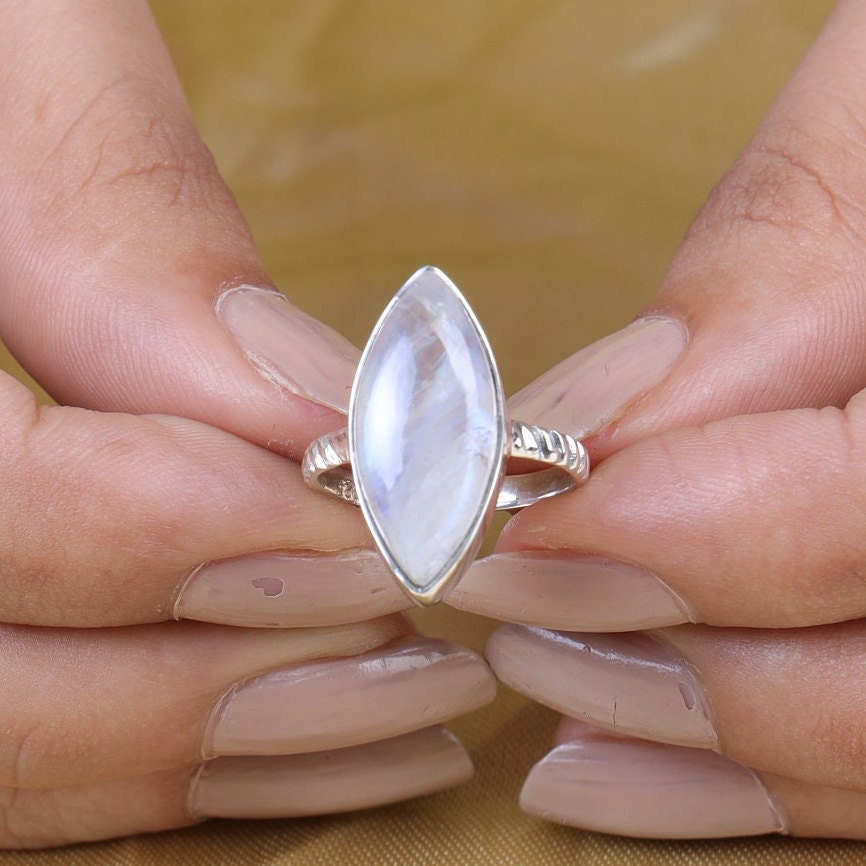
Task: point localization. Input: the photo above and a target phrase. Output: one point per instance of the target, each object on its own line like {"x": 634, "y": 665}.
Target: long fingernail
{"x": 650, "y": 790}
{"x": 328, "y": 704}
{"x": 289, "y": 347}
{"x": 628, "y": 683}
{"x": 588, "y": 593}
{"x": 286, "y": 590}
{"x": 589, "y": 389}
{"x": 357, "y": 777}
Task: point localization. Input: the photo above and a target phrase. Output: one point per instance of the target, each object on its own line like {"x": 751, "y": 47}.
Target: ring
{"x": 427, "y": 444}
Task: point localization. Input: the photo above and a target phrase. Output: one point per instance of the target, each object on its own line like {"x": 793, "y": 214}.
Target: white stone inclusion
{"x": 426, "y": 434}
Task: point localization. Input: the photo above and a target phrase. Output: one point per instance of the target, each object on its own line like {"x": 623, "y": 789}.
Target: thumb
{"x": 768, "y": 284}
{"x": 129, "y": 280}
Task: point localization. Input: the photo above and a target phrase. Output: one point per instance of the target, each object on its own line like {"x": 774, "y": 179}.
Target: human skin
{"x": 723, "y": 428}
{"x": 160, "y": 488}
{"x": 726, "y": 508}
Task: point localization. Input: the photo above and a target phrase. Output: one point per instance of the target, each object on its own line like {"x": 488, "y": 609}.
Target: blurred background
{"x": 548, "y": 155}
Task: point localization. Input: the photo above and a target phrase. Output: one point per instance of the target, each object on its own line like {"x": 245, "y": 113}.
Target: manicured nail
{"x": 587, "y": 593}
{"x": 333, "y": 703}
{"x": 589, "y": 389}
{"x": 628, "y": 683}
{"x": 286, "y": 590}
{"x": 289, "y": 347}
{"x": 357, "y": 777}
{"x": 650, "y": 790}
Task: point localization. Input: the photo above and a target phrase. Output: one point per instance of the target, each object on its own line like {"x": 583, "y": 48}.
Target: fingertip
{"x": 356, "y": 777}
{"x": 648, "y": 790}
{"x": 288, "y": 347}
{"x": 568, "y": 590}
{"x": 402, "y": 686}
{"x": 587, "y": 391}
{"x": 287, "y": 589}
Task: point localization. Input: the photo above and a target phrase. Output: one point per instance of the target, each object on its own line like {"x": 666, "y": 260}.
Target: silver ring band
{"x": 327, "y": 466}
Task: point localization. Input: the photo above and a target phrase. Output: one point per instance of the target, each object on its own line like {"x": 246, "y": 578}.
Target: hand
{"x": 728, "y": 427}
{"x": 132, "y": 291}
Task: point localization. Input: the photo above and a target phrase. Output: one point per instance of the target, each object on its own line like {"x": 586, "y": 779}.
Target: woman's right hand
{"x": 131, "y": 290}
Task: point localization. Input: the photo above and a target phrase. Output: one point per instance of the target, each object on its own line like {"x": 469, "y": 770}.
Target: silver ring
{"x": 426, "y": 448}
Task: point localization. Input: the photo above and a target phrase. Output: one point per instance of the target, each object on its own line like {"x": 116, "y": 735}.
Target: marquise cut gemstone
{"x": 426, "y": 434}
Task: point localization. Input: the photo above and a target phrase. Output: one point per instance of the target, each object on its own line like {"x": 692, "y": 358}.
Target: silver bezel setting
{"x": 465, "y": 552}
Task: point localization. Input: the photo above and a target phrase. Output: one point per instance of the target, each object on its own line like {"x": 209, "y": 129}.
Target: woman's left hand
{"x": 728, "y": 426}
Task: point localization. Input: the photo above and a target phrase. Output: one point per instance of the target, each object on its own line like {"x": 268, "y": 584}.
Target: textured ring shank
{"x": 326, "y": 466}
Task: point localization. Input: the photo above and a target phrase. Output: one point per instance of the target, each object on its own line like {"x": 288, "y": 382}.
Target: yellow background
{"x": 548, "y": 156}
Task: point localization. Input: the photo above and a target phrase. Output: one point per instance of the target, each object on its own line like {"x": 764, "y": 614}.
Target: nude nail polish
{"x": 289, "y": 347}
{"x": 357, "y": 777}
{"x": 333, "y": 703}
{"x": 287, "y": 590}
{"x": 649, "y": 790}
{"x": 591, "y": 388}
{"x": 629, "y": 683}
{"x": 551, "y": 589}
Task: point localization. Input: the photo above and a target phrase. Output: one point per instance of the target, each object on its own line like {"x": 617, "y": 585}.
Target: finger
{"x": 768, "y": 282}
{"x": 751, "y": 521}
{"x": 373, "y": 774}
{"x": 128, "y": 278}
{"x": 778, "y": 701}
{"x": 597, "y": 781}
{"x": 79, "y": 706}
{"x": 104, "y": 518}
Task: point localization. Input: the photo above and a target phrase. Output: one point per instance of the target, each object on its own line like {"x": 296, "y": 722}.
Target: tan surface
{"x": 548, "y": 155}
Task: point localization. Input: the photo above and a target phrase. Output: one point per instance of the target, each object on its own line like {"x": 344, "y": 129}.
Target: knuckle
{"x": 92, "y": 535}
{"x": 127, "y": 141}
{"x": 785, "y": 182}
